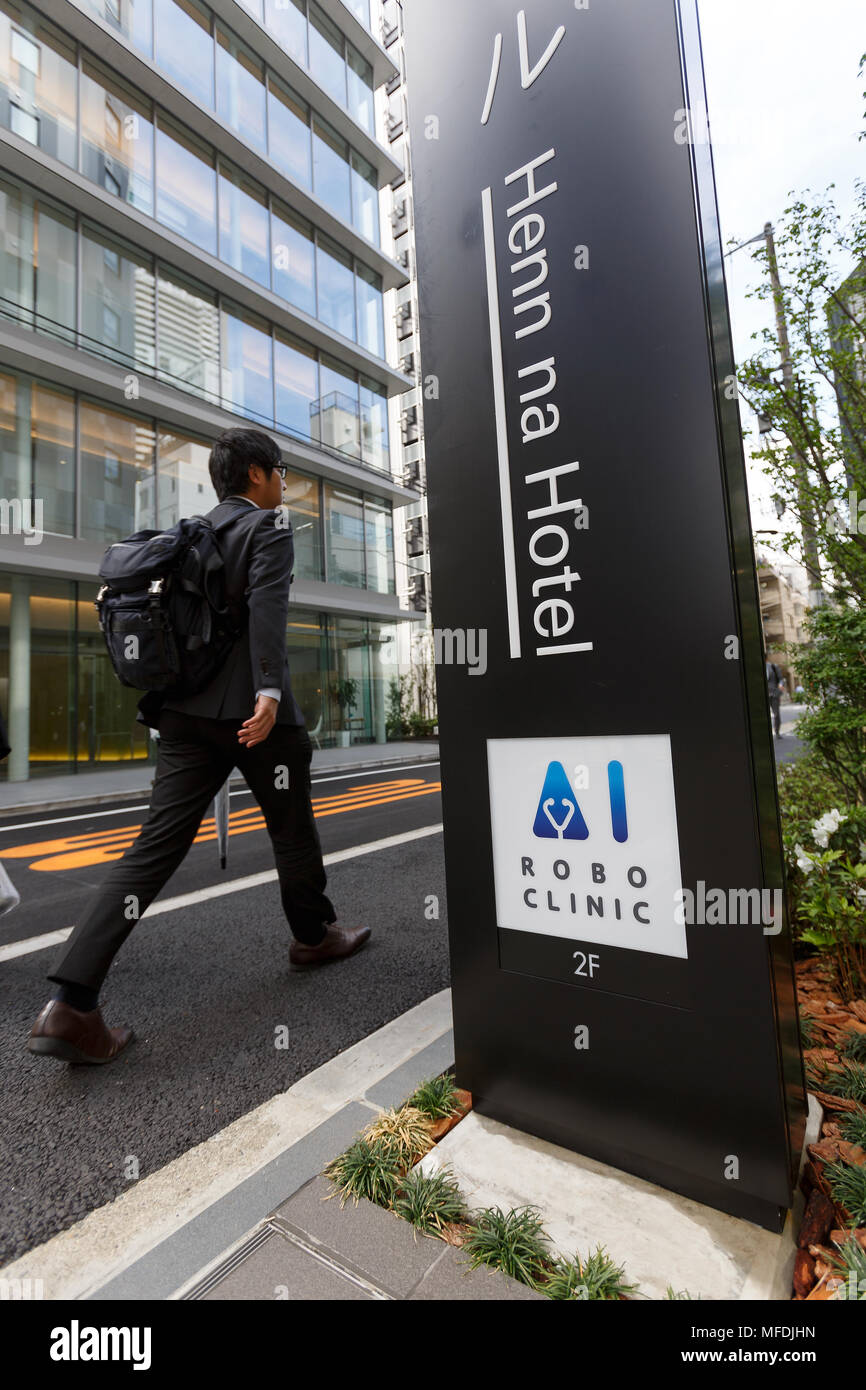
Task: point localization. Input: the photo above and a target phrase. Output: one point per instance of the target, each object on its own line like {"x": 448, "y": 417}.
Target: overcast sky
{"x": 786, "y": 107}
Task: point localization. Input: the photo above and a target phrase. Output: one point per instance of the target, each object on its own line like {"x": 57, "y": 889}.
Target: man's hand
{"x": 256, "y": 729}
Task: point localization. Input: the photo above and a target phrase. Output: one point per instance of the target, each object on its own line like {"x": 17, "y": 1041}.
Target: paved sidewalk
{"x": 134, "y": 779}
{"x": 311, "y": 1247}
{"x": 245, "y": 1214}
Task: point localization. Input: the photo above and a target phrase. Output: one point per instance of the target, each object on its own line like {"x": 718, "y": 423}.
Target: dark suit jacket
{"x": 258, "y": 556}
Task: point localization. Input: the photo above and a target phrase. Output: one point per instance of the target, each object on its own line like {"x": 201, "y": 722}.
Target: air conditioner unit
{"x": 412, "y": 473}
{"x": 418, "y": 592}
{"x": 415, "y": 536}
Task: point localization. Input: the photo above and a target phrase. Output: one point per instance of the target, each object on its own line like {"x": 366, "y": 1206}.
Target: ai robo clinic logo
{"x": 558, "y": 799}
{"x": 585, "y": 842}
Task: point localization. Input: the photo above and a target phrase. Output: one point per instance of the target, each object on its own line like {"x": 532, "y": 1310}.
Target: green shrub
{"x": 827, "y": 883}
{"x": 853, "y": 1127}
{"x": 365, "y": 1170}
{"x": 437, "y": 1097}
{"x": 431, "y": 1201}
{"x": 595, "y": 1279}
{"x": 848, "y": 1188}
{"x": 513, "y": 1242}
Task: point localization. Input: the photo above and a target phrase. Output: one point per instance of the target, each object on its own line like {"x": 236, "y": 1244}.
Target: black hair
{"x": 232, "y": 454}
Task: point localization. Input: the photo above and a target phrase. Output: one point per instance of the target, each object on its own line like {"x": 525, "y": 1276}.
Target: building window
{"x": 116, "y": 473}
{"x": 287, "y": 21}
{"x": 37, "y": 243}
{"x": 361, "y": 10}
{"x": 16, "y": 252}
{"x": 293, "y": 259}
{"x": 297, "y": 388}
{"x": 189, "y": 336}
{"x": 327, "y": 59}
{"x": 302, "y": 502}
{"x": 289, "y": 138}
{"x": 371, "y": 327}
{"x": 339, "y": 422}
{"x": 185, "y": 488}
{"x": 360, "y": 87}
{"x": 38, "y": 82}
{"x": 37, "y": 450}
{"x": 132, "y": 18}
{"x": 336, "y": 287}
{"x": 116, "y": 138}
{"x": 365, "y": 198}
{"x": 344, "y": 536}
{"x": 24, "y": 124}
{"x": 307, "y": 646}
{"x": 240, "y": 89}
{"x": 25, "y": 52}
{"x": 186, "y": 187}
{"x": 118, "y": 298}
{"x": 244, "y": 227}
{"x": 247, "y": 374}
{"x": 184, "y": 47}
{"x": 331, "y": 180}
{"x": 374, "y": 424}
{"x": 379, "y": 541}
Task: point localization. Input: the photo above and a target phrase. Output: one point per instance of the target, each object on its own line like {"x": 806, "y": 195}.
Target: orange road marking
{"x": 104, "y": 846}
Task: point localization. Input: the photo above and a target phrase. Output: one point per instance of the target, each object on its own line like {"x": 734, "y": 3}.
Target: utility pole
{"x": 807, "y": 517}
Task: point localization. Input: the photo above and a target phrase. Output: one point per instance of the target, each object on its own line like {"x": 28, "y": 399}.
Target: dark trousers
{"x": 196, "y": 756}
{"x": 776, "y": 712}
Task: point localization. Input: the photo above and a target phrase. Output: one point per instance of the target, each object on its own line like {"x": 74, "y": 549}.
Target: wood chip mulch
{"x": 824, "y": 1221}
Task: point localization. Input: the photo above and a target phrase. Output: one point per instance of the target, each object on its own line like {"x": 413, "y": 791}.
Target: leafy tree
{"x": 820, "y": 472}
{"x": 832, "y": 667}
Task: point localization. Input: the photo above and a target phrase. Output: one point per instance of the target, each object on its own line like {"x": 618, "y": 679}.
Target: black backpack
{"x": 163, "y": 610}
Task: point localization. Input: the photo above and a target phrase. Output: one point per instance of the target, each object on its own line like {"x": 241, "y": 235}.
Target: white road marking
{"x": 219, "y": 890}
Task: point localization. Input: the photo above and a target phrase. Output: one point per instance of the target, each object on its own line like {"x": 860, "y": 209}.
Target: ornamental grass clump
{"x": 513, "y": 1242}
{"x": 848, "y": 1081}
{"x": 367, "y": 1170}
{"x": 594, "y": 1279}
{"x": 851, "y": 1264}
{"x": 848, "y": 1188}
{"x": 437, "y": 1097}
{"x": 853, "y": 1127}
{"x": 404, "y": 1133}
{"x": 430, "y": 1201}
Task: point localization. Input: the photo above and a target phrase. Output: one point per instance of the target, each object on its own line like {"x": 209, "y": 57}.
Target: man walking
{"x": 246, "y": 717}
{"x": 775, "y": 686}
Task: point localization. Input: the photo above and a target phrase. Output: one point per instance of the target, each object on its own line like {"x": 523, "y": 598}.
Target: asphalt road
{"x": 789, "y": 748}
{"x": 207, "y": 988}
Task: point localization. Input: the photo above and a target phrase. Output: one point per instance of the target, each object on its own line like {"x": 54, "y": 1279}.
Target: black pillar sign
{"x": 621, "y": 959}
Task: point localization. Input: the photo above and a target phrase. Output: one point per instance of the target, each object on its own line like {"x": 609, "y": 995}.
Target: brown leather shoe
{"x": 73, "y": 1036}
{"x": 338, "y": 942}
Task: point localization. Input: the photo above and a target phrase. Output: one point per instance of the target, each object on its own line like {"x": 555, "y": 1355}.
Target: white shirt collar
{"x": 238, "y": 497}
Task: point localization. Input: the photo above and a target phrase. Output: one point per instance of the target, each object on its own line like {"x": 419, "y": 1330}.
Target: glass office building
{"x": 191, "y": 239}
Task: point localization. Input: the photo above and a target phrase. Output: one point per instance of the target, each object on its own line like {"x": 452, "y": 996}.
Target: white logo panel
{"x": 585, "y": 840}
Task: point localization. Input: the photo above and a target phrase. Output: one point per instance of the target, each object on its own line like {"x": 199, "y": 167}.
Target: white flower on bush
{"x": 804, "y": 861}
{"x": 827, "y": 825}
